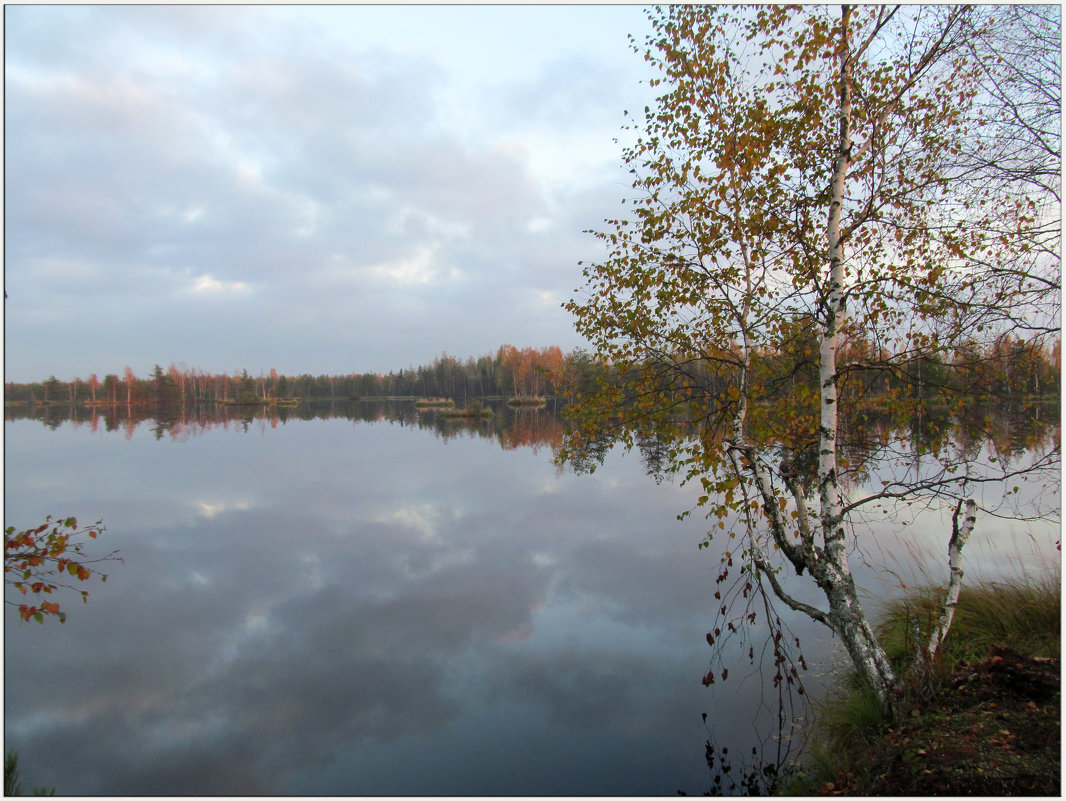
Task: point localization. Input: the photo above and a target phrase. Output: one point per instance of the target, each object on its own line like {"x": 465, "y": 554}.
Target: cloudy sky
{"x": 322, "y": 190}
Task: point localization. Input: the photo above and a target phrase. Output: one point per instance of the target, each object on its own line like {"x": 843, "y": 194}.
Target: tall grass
{"x": 12, "y": 781}
{"x": 1022, "y": 613}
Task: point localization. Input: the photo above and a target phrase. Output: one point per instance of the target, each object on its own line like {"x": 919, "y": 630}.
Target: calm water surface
{"x": 343, "y": 607}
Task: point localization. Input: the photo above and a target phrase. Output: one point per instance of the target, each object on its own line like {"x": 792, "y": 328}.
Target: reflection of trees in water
{"x": 869, "y": 439}
{"x": 950, "y": 435}
{"x": 531, "y": 428}
{"x": 512, "y": 427}
{"x": 655, "y": 454}
{"x": 1007, "y": 430}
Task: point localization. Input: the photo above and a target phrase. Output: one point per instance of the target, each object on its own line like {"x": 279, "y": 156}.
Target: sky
{"x": 327, "y": 189}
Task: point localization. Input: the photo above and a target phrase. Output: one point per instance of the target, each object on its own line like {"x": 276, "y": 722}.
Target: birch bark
{"x": 959, "y": 535}
{"x": 845, "y": 611}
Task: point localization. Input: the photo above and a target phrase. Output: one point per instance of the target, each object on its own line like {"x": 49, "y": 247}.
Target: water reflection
{"x": 359, "y": 608}
{"x": 521, "y": 427}
{"x": 1009, "y": 430}
{"x": 327, "y": 601}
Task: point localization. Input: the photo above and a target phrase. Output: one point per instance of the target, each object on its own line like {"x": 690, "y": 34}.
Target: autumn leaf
{"x": 827, "y": 254}
{"x": 36, "y": 556}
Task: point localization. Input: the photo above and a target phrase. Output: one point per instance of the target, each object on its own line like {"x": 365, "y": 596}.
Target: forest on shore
{"x": 1009, "y": 369}
{"x": 509, "y": 372}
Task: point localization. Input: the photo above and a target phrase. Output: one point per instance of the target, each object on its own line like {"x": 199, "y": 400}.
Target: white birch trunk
{"x": 828, "y": 481}
{"x": 845, "y": 611}
{"x": 959, "y": 535}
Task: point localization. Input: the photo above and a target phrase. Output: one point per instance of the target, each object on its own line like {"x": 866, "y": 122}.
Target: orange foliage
{"x": 35, "y": 560}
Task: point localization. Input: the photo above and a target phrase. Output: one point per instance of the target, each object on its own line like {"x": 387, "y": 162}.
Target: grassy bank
{"x": 983, "y": 719}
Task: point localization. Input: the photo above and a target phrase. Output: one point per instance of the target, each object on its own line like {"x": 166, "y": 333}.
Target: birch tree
{"x": 796, "y": 202}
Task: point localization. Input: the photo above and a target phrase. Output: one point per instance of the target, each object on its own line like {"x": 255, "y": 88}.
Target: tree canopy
{"x": 808, "y": 220}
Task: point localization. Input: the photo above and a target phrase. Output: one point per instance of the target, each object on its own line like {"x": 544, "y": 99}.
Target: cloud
{"x": 211, "y": 509}
{"x": 414, "y": 269}
{"x": 370, "y": 591}
{"x": 352, "y": 178}
{"x": 570, "y": 92}
{"x": 207, "y": 285}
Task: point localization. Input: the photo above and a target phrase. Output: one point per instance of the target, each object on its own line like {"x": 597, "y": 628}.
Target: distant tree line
{"x": 510, "y": 372}
{"x": 1010, "y": 368}
{"x": 1006, "y": 370}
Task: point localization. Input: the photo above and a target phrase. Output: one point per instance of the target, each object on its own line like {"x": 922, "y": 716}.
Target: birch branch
{"x": 813, "y": 613}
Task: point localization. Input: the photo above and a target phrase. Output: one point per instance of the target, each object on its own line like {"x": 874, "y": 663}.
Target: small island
{"x": 434, "y": 403}
{"x": 534, "y": 400}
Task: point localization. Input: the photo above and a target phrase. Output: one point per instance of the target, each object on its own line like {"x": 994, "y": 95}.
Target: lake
{"x": 385, "y": 605}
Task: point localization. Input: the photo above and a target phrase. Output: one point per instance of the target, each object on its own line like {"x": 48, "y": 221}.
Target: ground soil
{"x": 991, "y": 729}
